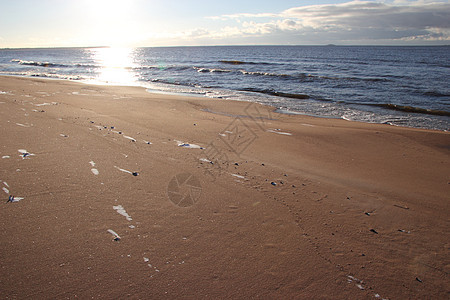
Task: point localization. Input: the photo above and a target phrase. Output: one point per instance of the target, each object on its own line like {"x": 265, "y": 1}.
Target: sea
{"x": 401, "y": 86}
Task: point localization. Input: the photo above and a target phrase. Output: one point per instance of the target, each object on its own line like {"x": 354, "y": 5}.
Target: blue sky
{"x": 62, "y": 23}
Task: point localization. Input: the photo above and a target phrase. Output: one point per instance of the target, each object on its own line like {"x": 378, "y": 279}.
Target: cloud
{"x": 349, "y": 22}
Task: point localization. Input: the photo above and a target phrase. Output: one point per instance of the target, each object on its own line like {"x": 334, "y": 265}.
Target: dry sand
{"x": 289, "y": 207}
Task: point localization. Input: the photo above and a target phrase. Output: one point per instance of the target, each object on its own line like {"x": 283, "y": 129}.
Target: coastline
{"x": 367, "y": 90}
{"x": 285, "y": 205}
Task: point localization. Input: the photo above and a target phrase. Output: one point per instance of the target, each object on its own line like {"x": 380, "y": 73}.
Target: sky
{"x": 147, "y": 23}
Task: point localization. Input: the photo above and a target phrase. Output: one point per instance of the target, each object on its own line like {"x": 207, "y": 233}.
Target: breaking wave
{"x": 51, "y": 65}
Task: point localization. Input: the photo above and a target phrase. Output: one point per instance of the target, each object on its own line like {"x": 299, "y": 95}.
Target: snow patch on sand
{"x": 115, "y": 235}
{"x": 359, "y": 284}
{"x": 238, "y": 176}
{"x": 120, "y": 210}
{"x": 130, "y": 138}
{"x": 45, "y": 104}
{"x": 278, "y": 131}
{"x": 123, "y": 170}
{"x": 16, "y": 199}
{"x": 24, "y": 153}
{"x": 187, "y": 145}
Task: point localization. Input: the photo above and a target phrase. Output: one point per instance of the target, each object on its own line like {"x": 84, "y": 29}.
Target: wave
{"x": 264, "y": 74}
{"x": 56, "y": 76}
{"x": 293, "y": 76}
{"x": 238, "y": 62}
{"x": 45, "y": 75}
{"x": 411, "y": 109}
{"x": 163, "y": 68}
{"x": 51, "y": 65}
{"x": 38, "y": 63}
{"x": 275, "y": 93}
{"x": 206, "y": 70}
{"x": 178, "y": 83}
{"x": 303, "y": 76}
{"x": 436, "y": 94}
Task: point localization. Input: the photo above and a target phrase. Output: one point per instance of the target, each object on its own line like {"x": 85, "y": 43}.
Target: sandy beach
{"x": 119, "y": 193}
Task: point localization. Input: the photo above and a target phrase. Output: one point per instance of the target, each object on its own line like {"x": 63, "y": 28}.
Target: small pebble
{"x": 273, "y": 183}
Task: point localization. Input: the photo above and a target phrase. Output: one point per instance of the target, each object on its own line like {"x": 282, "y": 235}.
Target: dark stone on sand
{"x": 374, "y": 231}
{"x": 135, "y": 173}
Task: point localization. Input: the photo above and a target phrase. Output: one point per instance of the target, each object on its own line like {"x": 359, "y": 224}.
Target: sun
{"x": 111, "y": 21}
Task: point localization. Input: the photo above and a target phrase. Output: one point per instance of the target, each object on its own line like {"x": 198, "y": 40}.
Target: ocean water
{"x": 404, "y": 86}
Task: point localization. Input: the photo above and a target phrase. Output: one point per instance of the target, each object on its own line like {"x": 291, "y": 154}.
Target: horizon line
{"x": 231, "y": 45}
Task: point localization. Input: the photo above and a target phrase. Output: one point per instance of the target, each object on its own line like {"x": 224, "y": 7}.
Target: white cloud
{"x": 349, "y": 22}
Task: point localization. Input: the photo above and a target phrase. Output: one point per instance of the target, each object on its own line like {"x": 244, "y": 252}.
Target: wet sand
{"x": 128, "y": 193}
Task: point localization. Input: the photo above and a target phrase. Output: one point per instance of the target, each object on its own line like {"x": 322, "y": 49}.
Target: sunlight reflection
{"x": 116, "y": 65}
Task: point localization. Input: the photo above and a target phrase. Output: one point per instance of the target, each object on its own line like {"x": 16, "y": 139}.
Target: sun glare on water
{"x": 116, "y": 65}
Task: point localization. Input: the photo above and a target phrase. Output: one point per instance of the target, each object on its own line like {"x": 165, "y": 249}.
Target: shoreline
{"x": 388, "y": 107}
{"x": 273, "y": 205}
